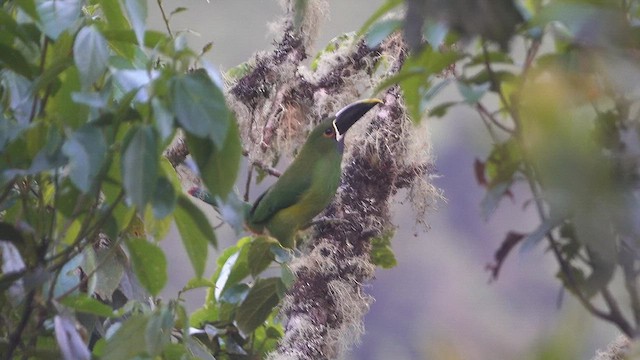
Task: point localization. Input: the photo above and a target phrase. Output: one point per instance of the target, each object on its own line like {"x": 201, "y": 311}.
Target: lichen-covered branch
{"x": 324, "y": 309}
{"x": 275, "y": 102}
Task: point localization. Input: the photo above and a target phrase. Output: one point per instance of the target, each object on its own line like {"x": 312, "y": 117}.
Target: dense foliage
{"x": 90, "y": 99}
{"x": 556, "y": 85}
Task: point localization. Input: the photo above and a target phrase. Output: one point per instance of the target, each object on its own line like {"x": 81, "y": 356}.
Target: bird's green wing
{"x": 284, "y": 193}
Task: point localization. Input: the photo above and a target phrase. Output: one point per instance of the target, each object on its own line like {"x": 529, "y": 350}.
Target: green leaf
{"x": 107, "y": 277}
{"x": 164, "y": 198}
{"x": 86, "y": 150}
{"x": 158, "y": 332}
{"x": 13, "y": 59}
{"x": 473, "y": 93}
{"x": 260, "y": 255}
{"x": 235, "y": 294}
{"x": 381, "y": 30}
{"x": 57, "y": 16}
{"x": 218, "y": 165}
{"x": 140, "y": 164}
{"x": 90, "y": 53}
{"x": 85, "y": 304}
{"x": 137, "y": 13}
{"x": 196, "y": 283}
{"x": 381, "y": 253}
{"x": 440, "y": 110}
{"x": 235, "y": 268}
{"x": 195, "y": 231}
{"x": 380, "y": 12}
{"x": 149, "y": 264}
{"x": 257, "y": 306}
{"x": 200, "y": 107}
{"x": 128, "y": 341}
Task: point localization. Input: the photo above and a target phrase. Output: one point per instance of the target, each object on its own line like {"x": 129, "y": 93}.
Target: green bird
{"x": 308, "y": 185}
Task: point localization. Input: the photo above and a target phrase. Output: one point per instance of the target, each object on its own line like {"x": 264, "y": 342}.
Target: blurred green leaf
{"x": 378, "y": 14}
{"x": 128, "y": 341}
{"x": 83, "y": 303}
{"x": 137, "y": 13}
{"x": 164, "y": 198}
{"x": 200, "y": 107}
{"x": 13, "y": 59}
{"x": 472, "y": 93}
{"x": 195, "y": 231}
{"x": 260, "y": 255}
{"x": 57, "y": 16}
{"x": 381, "y": 30}
{"x": 140, "y": 165}
{"x": 257, "y": 306}
{"x": 441, "y": 109}
{"x": 158, "y": 330}
{"x": 235, "y": 294}
{"x": 86, "y": 150}
{"x": 149, "y": 264}
{"x": 90, "y": 53}
{"x": 218, "y": 166}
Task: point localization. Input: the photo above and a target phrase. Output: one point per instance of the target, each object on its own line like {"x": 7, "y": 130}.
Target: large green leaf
{"x": 149, "y": 264}
{"x": 218, "y": 165}
{"x": 195, "y": 231}
{"x": 258, "y": 304}
{"x": 83, "y": 303}
{"x": 13, "y": 59}
{"x": 164, "y": 198}
{"x": 137, "y": 12}
{"x": 260, "y": 255}
{"x": 128, "y": 341}
{"x": 57, "y": 16}
{"x": 140, "y": 164}
{"x": 158, "y": 332}
{"x": 200, "y": 107}
{"x": 86, "y": 150}
{"x": 91, "y": 53}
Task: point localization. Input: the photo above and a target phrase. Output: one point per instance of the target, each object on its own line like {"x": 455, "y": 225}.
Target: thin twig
{"x": 165, "y": 18}
{"x": 262, "y": 166}
{"x": 247, "y": 185}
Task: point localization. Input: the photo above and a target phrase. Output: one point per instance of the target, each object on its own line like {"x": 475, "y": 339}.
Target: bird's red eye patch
{"x": 329, "y": 132}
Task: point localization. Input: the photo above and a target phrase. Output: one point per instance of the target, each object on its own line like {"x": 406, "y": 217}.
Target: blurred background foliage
{"x": 534, "y": 117}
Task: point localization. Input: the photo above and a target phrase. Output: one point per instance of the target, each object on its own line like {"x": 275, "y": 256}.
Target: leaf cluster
{"x": 565, "y": 126}
{"x": 89, "y": 100}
